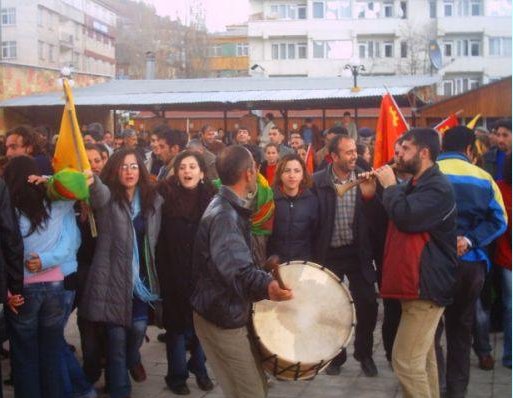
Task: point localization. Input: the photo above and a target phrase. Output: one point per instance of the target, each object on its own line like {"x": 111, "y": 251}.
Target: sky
{"x": 218, "y": 13}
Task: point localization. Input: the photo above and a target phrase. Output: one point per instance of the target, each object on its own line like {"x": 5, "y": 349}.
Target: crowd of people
{"x": 179, "y": 231}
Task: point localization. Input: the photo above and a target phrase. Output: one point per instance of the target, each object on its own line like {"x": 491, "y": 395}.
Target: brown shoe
{"x": 138, "y": 373}
{"x": 486, "y": 362}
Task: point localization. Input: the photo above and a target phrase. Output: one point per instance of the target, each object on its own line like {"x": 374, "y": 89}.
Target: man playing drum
{"x": 227, "y": 281}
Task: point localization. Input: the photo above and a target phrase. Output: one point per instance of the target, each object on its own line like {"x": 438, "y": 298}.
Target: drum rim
{"x": 353, "y": 310}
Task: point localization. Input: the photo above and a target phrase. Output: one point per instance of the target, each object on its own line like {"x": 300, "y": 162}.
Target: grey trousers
{"x": 231, "y": 357}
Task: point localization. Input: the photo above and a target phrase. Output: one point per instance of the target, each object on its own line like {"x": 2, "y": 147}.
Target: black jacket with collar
{"x": 226, "y": 280}
{"x": 362, "y": 231}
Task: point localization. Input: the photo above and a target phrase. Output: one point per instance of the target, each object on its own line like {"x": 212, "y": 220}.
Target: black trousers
{"x": 344, "y": 261}
{"x": 391, "y": 319}
{"x": 458, "y": 319}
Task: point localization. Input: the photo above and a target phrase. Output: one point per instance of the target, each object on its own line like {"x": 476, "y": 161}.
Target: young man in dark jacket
{"x": 420, "y": 258}
{"x": 227, "y": 281}
{"x": 343, "y": 243}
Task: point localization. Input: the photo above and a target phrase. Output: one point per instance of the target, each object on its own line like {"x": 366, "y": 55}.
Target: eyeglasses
{"x": 130, "y": 166}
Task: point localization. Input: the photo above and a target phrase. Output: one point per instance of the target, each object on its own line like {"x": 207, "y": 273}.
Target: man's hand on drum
{"x": 276, "y": 293}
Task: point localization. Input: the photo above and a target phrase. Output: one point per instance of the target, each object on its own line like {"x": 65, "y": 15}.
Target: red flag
{"x": 309, "y": 160}
{"x": 391, "y": 125}
{"x": 447, "y": 123}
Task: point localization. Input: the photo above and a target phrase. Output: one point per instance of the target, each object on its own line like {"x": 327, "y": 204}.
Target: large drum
{"x": 298, "y": 338}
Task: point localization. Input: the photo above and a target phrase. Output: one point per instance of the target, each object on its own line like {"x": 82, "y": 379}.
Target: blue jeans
{"x": 36, "y": 334}
{"x": 176, "y": 350}
{"x": 122, "y": 354}
{"x": 506, "y": 320}
{"x": 73, "y": 378}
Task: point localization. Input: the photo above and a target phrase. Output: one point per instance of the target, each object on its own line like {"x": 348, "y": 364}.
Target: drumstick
{"x": 273, "y": 265}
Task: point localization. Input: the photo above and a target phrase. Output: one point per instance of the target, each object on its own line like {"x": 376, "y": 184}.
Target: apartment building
{"x": 228, "y": 52}
{"x": 50, "y": 34}
{"x": 387, "y": 37}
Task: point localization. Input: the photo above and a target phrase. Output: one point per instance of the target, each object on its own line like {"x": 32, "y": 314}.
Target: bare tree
{"x": 416, "y": 39}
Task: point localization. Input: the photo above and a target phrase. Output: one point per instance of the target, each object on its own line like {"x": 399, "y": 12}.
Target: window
{"x": 318, "y": 9}
{"x": 448, "y": 8}
{"x": 369, "y": 49}
{"x": 448, "y": 50}
{"x": 9, "y": 50}
{"x": 283, "y": 51}
{"x": 291, "y": 52}
{"x": 476, "y": 7}
{"x": 468, "y": 48}
{"x": 275, "y": 51}
{"x": 500, "y": 46}
{"x": 40, "y": 16}
{"x": 404, "y": 9}
{"x": 318, "y": 49}
{"x": 50, "y": 53}
{"x": 41, "y": 50}
{"x": 285, "y": 11}
{"x": 334, "y": 49}
{"x": 9, "y": 16}
{"x": 475, "y": 48}
{"x": 242, "y": 49}
{"x": 388, "y": 8}
{"x": 388, "y": 49}
{"x": 432, "y": 9}
{"x": 301, "y": 11}
{"x": 302, "y": 51}
{"x": 404, "y": 49}
{"x": 448, "y": 87}
{"x": 214, "y": 51}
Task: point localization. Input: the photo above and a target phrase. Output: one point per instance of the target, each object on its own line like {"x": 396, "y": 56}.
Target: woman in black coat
{"x": 186, "y": 195}
{"x": 296, "y": 212}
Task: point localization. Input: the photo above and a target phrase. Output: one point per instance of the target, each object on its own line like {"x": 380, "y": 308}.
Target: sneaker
{"x": 204, "y": 383}
{"x": 486, "y": 362}
{"x": 138, "y": 373}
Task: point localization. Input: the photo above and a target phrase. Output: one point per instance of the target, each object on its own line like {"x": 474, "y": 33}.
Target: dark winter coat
{"x": 295, "y": 223}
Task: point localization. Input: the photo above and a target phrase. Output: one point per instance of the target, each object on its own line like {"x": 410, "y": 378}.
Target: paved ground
{"x": 350, "y": 383}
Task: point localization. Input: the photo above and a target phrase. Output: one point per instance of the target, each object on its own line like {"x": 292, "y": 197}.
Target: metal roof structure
{"x": 235, "y": 93}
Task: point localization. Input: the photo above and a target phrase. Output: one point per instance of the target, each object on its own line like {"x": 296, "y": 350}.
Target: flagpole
{"x": 90, "y": 216}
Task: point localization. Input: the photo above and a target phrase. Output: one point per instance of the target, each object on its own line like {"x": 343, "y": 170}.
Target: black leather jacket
{"x": 11, "y": 248}
{"x": 225, "y": 277}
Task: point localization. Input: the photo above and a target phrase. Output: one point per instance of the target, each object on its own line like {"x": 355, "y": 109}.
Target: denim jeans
{"x": 122, "y": 354}
{"x": 506, "y": 320}
{"x": 176, "y": 350}
{"x": 73, "y": 378}
{"x": 36, "y": 334}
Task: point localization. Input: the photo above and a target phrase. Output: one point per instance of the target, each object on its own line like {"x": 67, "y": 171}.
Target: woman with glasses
{"x": 122, "y": 283}
{"x": 295, "y": 216}
{"x": 186, "y": 195}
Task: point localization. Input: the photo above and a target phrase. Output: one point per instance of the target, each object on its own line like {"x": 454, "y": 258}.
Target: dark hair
{"x": 269, "y": 116}
{"x": 160, "y": 129}
{"x": 185, "y": 154}
{"x": 96, "y": 128}
{"x": 338, "y": 130}
{"x": 360, "y": 148}
{"x": 103, "y": 149}
{"x": 175, "y": 137}
{"x": 306, "y": 182}
{"x": 241, "y": 128}
{"x": 347, "y": 113}
{"x": 256, "y": 152}
{"x": 276, "y": 128}
{"x": 333, "y": 144}
{"x": 28, "y": 136}
{"x": 205, "y": 128}
{"x": 505, "y": 123}
{"x": 308, "y": 120}
{"x": 92, "y": 147}
{"x": 110, "y": 176}
{"x": 29, "y": 199}
{"x": 271, "y": 144}
{"x": 424, "y": 138}
{"x": 457, "y": 139}
{"x": 232, "y": 162}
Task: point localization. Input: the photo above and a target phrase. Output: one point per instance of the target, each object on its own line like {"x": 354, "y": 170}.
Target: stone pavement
{"x": 350, "y": 383}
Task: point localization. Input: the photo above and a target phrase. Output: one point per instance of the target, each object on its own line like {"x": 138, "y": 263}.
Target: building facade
{"x": 39, "y": 37}
{"x": 388, "y": 37}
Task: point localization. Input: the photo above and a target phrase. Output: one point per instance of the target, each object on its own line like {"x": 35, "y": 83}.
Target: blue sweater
{"x": 57, "y": 242}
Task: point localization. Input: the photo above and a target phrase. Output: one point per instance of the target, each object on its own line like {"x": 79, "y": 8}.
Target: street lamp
{"x": 355, "y": 68}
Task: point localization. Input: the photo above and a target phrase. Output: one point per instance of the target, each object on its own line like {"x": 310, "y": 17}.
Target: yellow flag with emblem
{"x": 69, "y": 149}
{"x": 473, "y": 122}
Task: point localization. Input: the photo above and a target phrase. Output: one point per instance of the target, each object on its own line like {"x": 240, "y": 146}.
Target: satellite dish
{"x": 435, "y": 55}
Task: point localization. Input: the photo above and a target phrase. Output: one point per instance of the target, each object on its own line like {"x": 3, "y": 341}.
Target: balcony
{"x": 66, "y": 41}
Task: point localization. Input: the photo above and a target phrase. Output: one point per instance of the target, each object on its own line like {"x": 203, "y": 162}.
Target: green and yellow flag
{"x": 69, "y": 149}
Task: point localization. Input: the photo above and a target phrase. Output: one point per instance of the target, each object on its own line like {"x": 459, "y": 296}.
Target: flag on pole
{"x": 309, "y": 160}
{"x": 391, "y": 125}
{"x": 473, "y": 122}
{"x": 447, "y": 123}
{"x": 69, "y": 149}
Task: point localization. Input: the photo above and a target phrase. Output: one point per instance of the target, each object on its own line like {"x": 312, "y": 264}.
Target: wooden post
{"x": 323, "y": 119}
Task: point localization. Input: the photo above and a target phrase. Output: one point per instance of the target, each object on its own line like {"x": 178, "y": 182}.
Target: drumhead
{"x": 312, "y": 327}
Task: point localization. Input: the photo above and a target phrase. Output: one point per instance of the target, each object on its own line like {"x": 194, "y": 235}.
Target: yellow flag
{"x": 473, "y": 122}
{"x": 69, "y": 149}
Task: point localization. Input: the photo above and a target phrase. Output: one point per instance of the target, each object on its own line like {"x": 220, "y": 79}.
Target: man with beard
{"x": 419, "y": 261}
{"x": 227, "y": 281}
{"x": 344, "y": 243}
